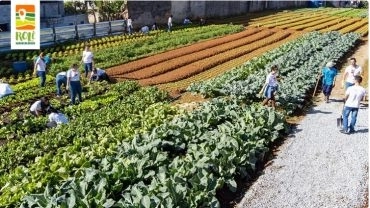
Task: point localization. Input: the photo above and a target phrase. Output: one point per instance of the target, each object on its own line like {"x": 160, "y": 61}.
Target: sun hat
{"x": 330, "y": 64}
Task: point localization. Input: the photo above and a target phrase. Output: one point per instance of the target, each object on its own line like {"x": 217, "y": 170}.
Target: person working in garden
{"x": 5, "y": 89}
{"x": 144, "y": 29}
{"x": 87, "y": 60}
{"x": 73, "y": 83}
{"x": 99, "y": 75}
{"x": 56, "y": 118}
{"x": 328, "y": 82}
{"x": 40, "y": 107}
{"x": 350, "y": 72}
{"x": 187, "y": 21}
{"x": 40, "y": 69}
{"x": 61, "y": 79}
{"x": 270, "y": 87}
{"x": 354, "y": 95}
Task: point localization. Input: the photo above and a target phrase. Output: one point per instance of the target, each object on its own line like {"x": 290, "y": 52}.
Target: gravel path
{"x": 317, "y": 166}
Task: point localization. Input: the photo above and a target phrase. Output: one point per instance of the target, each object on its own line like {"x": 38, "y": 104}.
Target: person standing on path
{"x": 87, "y": 59}
{"x": 354, "y": 95}
{"x": 349, "y": 74}
{"x": 328, "y": 82}
{"x": 40, "y": 69}
{"x": 60, "y": 79}
{"x": 270, "y": 87}
{"x": 169, "y": 23}
{"x": 73, "y": 82}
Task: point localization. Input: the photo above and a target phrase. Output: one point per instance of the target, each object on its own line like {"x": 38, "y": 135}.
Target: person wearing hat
{"x": 328, "y": 74}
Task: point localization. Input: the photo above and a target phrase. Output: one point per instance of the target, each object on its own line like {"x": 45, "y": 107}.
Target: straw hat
{"x": 330, "y": 64}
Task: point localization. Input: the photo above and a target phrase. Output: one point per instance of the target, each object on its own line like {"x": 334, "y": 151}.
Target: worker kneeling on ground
{"x": 56, "y": 118}
{"x": 40, "y": 107}
{"x": 5, "y": 89}
{"x": 99, "y": 75}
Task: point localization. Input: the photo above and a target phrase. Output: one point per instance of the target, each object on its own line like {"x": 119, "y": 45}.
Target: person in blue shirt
{"x": 328, "y": 74}
{"x": 99, "y": 75}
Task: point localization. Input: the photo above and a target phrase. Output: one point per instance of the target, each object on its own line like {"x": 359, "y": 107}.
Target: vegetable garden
{"x": 127, "y": 146}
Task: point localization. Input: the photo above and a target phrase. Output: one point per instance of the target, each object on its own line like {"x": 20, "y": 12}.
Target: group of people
{"x": 71, "y": 78}
{"x": 42, "y": 107}
{"x": 127, "y": 24}
{"x": 354, "y": 92}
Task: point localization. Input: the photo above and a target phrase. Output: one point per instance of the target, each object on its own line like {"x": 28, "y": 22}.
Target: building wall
{"x": 4, "y": 18}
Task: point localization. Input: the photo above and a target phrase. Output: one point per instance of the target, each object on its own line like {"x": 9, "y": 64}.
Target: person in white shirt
{"x": 40, "y": 107}
{"x": 73, "y": 82}
{"x": 169, "y": 23}
{"x": 270, "y": 87}
{"x": 354, "y": 95}
{"x": 40, "y": 69}
{"x": 60, "y": 79}
{"x": 129, "y": 25}
{"x": 56, "y": 118}
{"x": 99, "y": 75}
{"x": 350, "y": 72}
{"x": 5, "y": 89}
{"x": 87, "y": 59}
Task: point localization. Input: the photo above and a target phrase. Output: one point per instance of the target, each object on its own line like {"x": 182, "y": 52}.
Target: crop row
{"x": 285, "y": 17}
{"x": 113, "y": 56}
{"x": 24, "y": 94}
{"x": 21, "y": 123}
{"x": 341, "y": 25}
{"x": 222, "y": 68}
{"x": 180, "y": 163}
{"x": 363, "y": 31}
{"x": 313, "y": 23}
{"x": 325, "y": 25}
{"x": 159, "y": 58}
{"x": 298, "y": 69}
{"x": 205, "y": 64}
{"x": 355, "y": 26}
{"x": 71, "y": 146}
{"x": 169, "y": 65}
{"x": 295, "y": 22}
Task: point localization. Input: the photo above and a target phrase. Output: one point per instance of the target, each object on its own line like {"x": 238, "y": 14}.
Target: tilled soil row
{"x": 165, "y": 56}
{"x": 313, "y": 23}
{"x": 355, "y": 26}
{"x": 205, "y": 64}
{"x": 341, "y": 25}
{"x": 325, "y": 25}
{"x": 181, "y": 85}
{"x": 172, "y": 64}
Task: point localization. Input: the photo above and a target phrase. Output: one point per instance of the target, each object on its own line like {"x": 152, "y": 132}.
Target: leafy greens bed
{"x": 299, "y": 63}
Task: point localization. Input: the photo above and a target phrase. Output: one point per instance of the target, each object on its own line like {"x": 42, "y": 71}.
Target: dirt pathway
{"x": 317, "y": 166}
